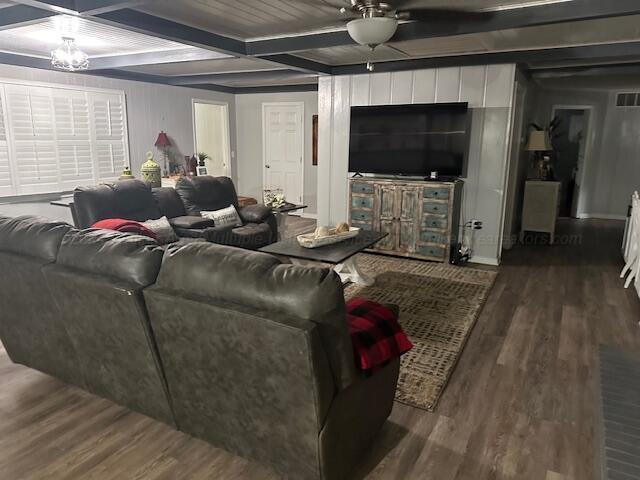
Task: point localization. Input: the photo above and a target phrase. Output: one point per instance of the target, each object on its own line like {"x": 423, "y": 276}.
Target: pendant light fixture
{"x": 69, "y": 57}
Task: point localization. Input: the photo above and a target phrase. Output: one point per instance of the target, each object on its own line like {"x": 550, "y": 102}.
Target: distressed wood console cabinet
{"x": 422, "y": 218}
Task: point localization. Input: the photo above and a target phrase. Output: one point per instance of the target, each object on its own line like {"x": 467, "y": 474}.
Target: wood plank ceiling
{"x": 240, "y": 44}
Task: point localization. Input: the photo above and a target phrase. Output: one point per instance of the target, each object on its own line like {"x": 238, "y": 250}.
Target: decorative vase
{"x": 151, "y": 172}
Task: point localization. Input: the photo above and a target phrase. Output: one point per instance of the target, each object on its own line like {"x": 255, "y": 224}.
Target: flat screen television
{"x": 413, "y": 140}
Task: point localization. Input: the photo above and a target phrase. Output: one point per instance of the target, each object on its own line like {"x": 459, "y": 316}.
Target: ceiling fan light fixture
{"x": 69, "y": 57}
{"x": 372, "y": 31}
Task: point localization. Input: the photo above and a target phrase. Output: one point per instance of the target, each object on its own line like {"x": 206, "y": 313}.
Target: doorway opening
{"x": 570, "y": 150}
{"x": 211, "y": 136}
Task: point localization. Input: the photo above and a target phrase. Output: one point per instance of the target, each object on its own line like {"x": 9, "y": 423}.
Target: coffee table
{"x": 342, "y": 254}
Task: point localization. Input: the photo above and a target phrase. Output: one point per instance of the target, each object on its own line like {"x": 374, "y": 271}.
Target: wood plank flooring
{"x": 520, "y": 404}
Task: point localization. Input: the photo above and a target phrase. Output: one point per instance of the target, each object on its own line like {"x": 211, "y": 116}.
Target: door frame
{"x": 302, "y": 142}
{"x": 226, "y": 127}
{"x": 589, "y": 139}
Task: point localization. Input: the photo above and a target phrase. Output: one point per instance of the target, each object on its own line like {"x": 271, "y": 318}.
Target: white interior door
{"x": 283, "y": 144}
{"x": 211, "y": 132}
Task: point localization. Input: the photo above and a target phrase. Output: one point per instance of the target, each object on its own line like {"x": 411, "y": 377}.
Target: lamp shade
{"x": 372, "y": 31}
{"x": 163, "y": 140}
{"x": 539, "y": 141}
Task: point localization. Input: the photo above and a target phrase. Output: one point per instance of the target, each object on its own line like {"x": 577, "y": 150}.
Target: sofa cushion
{"x": 169, "y": 202}
{"x": 128, "y": 199}
{"x": 206, "y": 193}
{"x": 33, "y": 236}
{"x": 162, "y": 230}
{"x": 225, "y": 217}
{"x": 132, "y": 258}
{"x": 191, "y": 221}
{"x": 261, "y": 282}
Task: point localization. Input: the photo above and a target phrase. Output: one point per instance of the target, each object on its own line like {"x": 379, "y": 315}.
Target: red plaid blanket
{"x": 375, "y": 333}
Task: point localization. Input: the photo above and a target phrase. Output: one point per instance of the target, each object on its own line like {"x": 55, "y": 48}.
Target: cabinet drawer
{"x": 431, "y": 251}
{"x": 436, "y": 192}
{"x": 430, "y": 236}
{"x": 361, "y": 188}
{"x": 362, "y": 202}
{"x": 361, "y": 216}
{"x": 429, "y": 221}
{"x": 362, "y": 225}
{"x": 435, "y": 208}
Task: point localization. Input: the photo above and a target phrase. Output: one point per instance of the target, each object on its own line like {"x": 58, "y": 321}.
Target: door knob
{"x": 267, "y": 166}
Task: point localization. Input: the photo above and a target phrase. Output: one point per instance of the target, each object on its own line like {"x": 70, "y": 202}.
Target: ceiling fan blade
{"x": 442, "y": 15}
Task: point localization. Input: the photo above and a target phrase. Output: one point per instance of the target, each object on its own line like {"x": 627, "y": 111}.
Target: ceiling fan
{"x": 374, "y": 22}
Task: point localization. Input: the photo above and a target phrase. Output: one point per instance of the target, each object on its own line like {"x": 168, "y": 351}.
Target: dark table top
{"x": 288, "y": 207}
{"x": 335, "y": 253}
{"x": 63, "y": 202}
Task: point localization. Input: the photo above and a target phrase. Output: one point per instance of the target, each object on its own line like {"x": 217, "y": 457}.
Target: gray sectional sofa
{"x": 225, "y": 344}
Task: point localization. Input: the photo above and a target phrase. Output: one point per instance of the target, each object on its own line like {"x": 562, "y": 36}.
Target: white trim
{"x": 226, "y": 127}
{"x": 589, "y": 139}
{"x": 65, "y": 86}
{"x": 484, "y": 260}
{"x": 309, "y": 215}
{"x": 602, "y": 216}
{"x": 302, "y": 142}
{"x": 508, "y": 139}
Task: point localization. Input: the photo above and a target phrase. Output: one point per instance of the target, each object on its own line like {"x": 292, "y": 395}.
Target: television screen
{"x": 409, "y": 139}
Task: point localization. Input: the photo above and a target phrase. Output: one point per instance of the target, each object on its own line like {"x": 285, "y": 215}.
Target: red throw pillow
{"x": 122, "y": 225}
{"x": 376, "y": 335}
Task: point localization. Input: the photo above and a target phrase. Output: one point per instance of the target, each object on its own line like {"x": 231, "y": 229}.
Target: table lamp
{"x": 539, "y": 142}
{"x": 163, "y": 143}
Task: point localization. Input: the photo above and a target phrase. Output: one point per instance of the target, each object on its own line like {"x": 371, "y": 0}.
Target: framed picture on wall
{"x": 201, "y": 171}
{"x": 314, "y": 140}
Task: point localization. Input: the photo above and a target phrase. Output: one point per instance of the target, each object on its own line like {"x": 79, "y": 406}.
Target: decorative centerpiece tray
{"x": 309, "y": 240}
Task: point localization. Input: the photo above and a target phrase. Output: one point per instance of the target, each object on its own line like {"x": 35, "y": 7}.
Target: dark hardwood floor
{"x": 520, "y": 405}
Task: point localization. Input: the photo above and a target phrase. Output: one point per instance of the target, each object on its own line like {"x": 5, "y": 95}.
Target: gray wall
{"x": 150, "y": 108}
{"x": 249, "y": 151}
{"x": 489, "y": 92}
{"x": 612, "y": 168}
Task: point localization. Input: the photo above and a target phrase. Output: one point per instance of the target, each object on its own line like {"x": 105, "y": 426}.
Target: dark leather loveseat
{"x": 136, "y": 200}
{"x": 226, "y": 344}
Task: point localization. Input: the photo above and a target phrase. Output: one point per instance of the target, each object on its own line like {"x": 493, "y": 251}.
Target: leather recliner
{"x": 97, "y": 282}
{"x": 31, "y": 327}
{"x": 208, "y": 193}
{"x": 258, "y": 360}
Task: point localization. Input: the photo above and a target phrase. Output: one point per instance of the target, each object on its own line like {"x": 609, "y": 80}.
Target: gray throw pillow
{"x": 162, "y": 229}
{"x": 225, "y": 217}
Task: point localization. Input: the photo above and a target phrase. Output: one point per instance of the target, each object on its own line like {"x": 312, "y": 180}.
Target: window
{"x": 54, "y": 139}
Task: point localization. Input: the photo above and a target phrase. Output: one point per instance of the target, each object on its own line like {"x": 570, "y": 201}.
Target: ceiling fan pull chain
{"x": 370, "y": 65}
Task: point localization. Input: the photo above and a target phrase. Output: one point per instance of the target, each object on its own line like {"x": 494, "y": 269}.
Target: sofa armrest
{"x": 353, "y": 420}
{"x": 254, "y": 213}
{"x": 191, "y": 221}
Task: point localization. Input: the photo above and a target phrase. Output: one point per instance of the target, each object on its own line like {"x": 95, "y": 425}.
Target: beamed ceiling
{"x": 269, "y": 45}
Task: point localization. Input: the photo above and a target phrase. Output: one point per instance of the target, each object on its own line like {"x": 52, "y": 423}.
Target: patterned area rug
{"x": 439, "y": 305}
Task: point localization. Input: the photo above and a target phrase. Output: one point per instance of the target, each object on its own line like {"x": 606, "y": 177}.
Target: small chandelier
{"x": 69, "y": 57}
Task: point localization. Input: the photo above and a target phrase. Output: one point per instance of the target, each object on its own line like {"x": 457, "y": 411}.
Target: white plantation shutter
{"x": 110, "y": 135}
{"x": 73, "y": 131}
{"x": 6, "y": 178}
{"x": 54, "y": 139}
{"x": 34, "y": 153}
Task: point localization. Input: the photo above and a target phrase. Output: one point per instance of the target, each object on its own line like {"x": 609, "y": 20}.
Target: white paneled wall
{"x": 489, "y": 92}
{"x": 150, "y": 108}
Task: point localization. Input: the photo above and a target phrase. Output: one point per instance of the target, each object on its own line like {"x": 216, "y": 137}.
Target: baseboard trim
{"x": 601, "y": 216}
{"x": 484, "y": 260}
